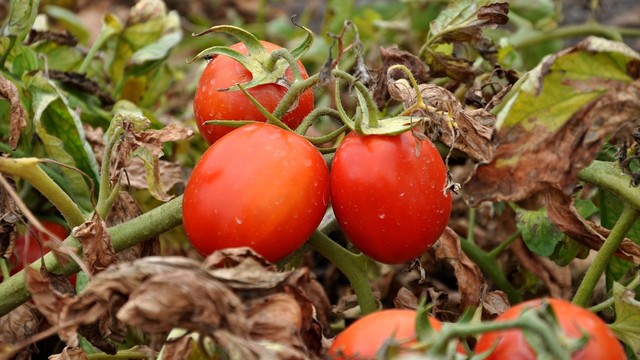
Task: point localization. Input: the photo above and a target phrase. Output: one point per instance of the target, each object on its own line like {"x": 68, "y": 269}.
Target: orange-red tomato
{"x": 223, "y": 72}
{"x": 573, "y": 320}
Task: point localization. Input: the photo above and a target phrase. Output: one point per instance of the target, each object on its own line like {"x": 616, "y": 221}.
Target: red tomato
{"x": 362, "y": 339}
{"x": 223, "y": 72}
{"x": 259, "y": 186}
{"x": 390, "y": 203}
{"x": 572, "y": 318}
{"x": 33, "y": 251}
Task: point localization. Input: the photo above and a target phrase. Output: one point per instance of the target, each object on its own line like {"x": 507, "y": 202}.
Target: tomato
{"x": 259, "y": 186}
{"x": 511, "y": 344}
{"x": 362, "y": 339}
{"x": 223, "y": 72}
{"x": 33, "y": 251}
{"x": 390, "y": 203}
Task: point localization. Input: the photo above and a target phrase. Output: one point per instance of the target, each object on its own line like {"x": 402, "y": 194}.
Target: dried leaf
{"x": 547, "y": 134}
{"x": 474, "y": 127}
{"x": 393, "y": 56}
{"x": 70, "y": 353}
{"x": 405, "y": 299}
{"x": 170, "y": 174}
{"x": 97, "y": 250}
{"x": 50, "y": 302}
{"x": 468, "y": 274}
{"x": 494, "y": 303}
{"x": 563, "y": 213}
{"x": 81, "y": 83}
{"x": 9, "y": 217}
{"x": 248, "y": 274}
{"x": 18, "y": 325}
{"x": 187, "y": 299}
{"x": 276, "y": 318}
{"x": 18, "y": 115}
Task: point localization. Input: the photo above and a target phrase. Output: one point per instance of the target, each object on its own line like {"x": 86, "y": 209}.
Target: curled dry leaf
{"x": 233, "y": 256}
{"x": 393, "y": 56}
{"x": 405, "y": 299}
{"x": 547, "y": 134}
{"x": 70, "y": 353}
{"x": 18, "y": 325}
{"x": 474, "y": 127}
{"x": 563, "y": 213}
{"x": 18, "y": 115}
{"x": 184, "y": 298}
{"x": 276, "y": 318}
{"x": 468, "y": 274}
{"x": 97, "y": 250}
{"x": 50, "y": 303}
{"x": 9, "y": 217}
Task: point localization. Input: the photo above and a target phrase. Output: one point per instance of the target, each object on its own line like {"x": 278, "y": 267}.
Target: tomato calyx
{"x": 265, "y": 67}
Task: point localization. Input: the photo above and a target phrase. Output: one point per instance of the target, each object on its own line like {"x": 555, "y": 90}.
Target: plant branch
{"x": 351, "y": 265}
{"x": 165, "y": 217}
{"x": 29, "y": 170}
{"x": 578, "y": 30}
{"x": 625, "y": 222}
{"x": 608, "y": 176}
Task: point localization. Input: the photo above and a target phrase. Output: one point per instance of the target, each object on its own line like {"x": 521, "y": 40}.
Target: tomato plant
{"x": 259, "y": 186}
{"x": 390, "y": 202}
{"x": 574, "y": 321}
{"x": 363, "y": 338}
{"x": 223, "y": 72}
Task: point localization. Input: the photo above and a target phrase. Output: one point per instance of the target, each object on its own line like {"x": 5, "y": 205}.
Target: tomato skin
{"x": 362, "y": 339}
{"x": 512, "y": 345}
{"x": 259, "y": 186}
{"x": 223, "y": 72}
{"x": 389, "y": 202}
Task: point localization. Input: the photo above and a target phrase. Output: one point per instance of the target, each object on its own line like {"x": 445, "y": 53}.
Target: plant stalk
{"x": 352, "y": 266}
{"x": 625, "y": 222}
{"x": 165, "y": 217}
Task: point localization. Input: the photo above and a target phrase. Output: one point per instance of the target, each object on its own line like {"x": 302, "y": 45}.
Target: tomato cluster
{"x": 267, "y": 188}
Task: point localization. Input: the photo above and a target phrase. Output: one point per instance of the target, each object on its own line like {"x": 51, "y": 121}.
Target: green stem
{"x": 503, "y": 245}
{"x": 295, "y": 90}
{"x": 165, "y": 217}
{"x": 578, "y": 30}
{"x": 625, "y": 222}
{"x": 29, "y": 170}
{"x": 609, "y": 302}
{"x": 122, "y": 354}
{"x": 4, "y": 268}
{"x": 608, "y": 176}
{"x": 472, "y": 224}
{"x": 352, "y": 266}
{"x": 3, "y": 59}
{"x": 491, "y": 268}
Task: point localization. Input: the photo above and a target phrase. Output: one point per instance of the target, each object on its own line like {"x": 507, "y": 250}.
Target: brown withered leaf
{"x": 534, "y": 155}
{"x": 18, "y": 115}
{"x": 65, "y": 38}
{"x": 50, "y": 302}
{"x": 276, "y": 318}
{"x": 238, "y": 348}
{"x": 154, "y": 139}
{"x": 70, "y": 353}
{"x": 184, "y": 298}
{"x": 310, "y": 292}
{"x": 233, "y": 256}
{"x": 170, "y": 174}
{"x": 468, "y": 274}
{"x": 98, "y": 252}
{"x": 563, "y": 213}
{"x": 443, "y": 65}
{"x": 474, "y": 127}
{"x": 494, "y": 303}
{"x": 9, "y": 217}
{"x": 405, "y": 299}
{"x": 82, "y": 84}
{"x": 18, "y": 325}
{"x": 393, "y": 56}
{"x": 247, "y": 275}
{"x": 556, "y": 278}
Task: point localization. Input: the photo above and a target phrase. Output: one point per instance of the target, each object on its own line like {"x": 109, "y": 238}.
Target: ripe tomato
{"x": 223, "y": 72}
{"x": 362, "y": 339}
{"x": 259, "y": 186}
{"x": 390, "y": 203}
{"x": 511, "y": 344}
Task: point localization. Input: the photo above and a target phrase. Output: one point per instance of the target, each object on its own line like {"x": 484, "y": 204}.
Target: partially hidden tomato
{"x": 259, "y": 186}
{"x": 364, "y": 338}
{"x": 223, "y": 72}
{"x": 33, "y": 251}
{"x": 573, "y": 319}
{"x": 388, "y": 195}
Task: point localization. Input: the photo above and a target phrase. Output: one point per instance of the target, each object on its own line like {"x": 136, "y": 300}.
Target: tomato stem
{"x": 608, "y": 176}
{"x": 351, "y": 265}
{"x": 29, "y": 170}
{"x": 635, "y": 282}
{"x": 278, "y": 54}
{"x": 165, "y": 217}
{"x": 603, "y": 257}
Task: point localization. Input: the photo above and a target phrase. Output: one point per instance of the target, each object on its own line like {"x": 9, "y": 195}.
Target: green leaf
{"x": 627, "y": 323}
{"x": 538, "y": 232}
{"x": 22, "y": 14}
{"x": 62, "y": 134}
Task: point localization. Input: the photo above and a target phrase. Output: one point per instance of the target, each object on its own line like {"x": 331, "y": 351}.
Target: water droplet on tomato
{"x": 381, "y": 216}
{"x": 238, "y": 221}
